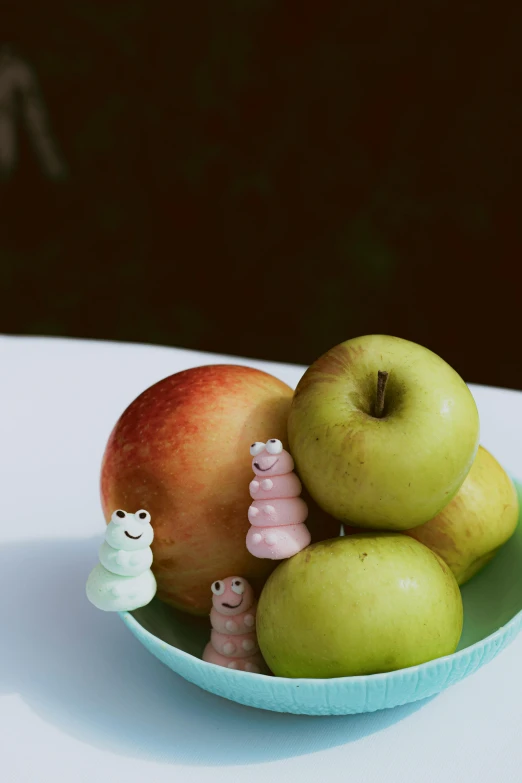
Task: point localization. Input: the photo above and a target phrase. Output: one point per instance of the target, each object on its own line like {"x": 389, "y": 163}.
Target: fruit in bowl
{"x": 482, "y": 516}
{"x": 181, "y": 451}
{"x": 355, "y": 605}
{"x": 473, "y": 527}
{"x": 383, "y": 432}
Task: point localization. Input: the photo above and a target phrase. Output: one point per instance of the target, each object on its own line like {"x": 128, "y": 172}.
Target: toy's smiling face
{"x": 270, "y": 459}
{"x": 232, "y": 595}
{"x": 129, "y": 531}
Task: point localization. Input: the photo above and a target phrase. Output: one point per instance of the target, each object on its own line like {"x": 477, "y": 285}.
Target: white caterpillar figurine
{"x": 233, "y": 641}
{"x": 123, "y": 581}
{"x": 277, "y": 514}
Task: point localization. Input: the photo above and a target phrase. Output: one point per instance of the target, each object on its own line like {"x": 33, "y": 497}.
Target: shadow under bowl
{"x": 492, "y": 619}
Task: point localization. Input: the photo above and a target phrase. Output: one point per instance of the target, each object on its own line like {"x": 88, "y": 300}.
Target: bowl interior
{"x": 491, "y": 599}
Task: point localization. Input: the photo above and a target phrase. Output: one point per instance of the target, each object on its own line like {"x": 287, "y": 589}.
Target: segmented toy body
{"x": 233, "y": 640}
{"x": 123, "y": 580}
{"x": 277, "y": 514}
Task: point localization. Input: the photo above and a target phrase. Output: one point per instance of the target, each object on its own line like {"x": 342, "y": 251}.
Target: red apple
{"x": 181, "y": 451}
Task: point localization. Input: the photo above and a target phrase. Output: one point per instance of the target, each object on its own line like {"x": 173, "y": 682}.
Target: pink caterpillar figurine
{"x": 233, "y": 641}
{"x": 277, "y": 513}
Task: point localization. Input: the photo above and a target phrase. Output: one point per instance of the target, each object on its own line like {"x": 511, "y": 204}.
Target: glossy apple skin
{"x": 362, "y": 604}
{"x": 394, "y": 472}
{"x": 181, "y": 451}
{"x": 481, "y": 517}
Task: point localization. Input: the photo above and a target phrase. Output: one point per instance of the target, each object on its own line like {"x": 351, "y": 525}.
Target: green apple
{"x": 480, "y": 518}
{"x": 361, "y": 604}
{"x": 382, "y": 455}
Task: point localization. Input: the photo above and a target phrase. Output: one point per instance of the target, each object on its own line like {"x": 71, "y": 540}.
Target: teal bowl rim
{"x": 514, "y": 625}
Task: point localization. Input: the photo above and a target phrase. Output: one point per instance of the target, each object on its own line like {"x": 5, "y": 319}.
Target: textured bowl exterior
{"x": 492, "y": 619}
{"x": 340, "y": 696}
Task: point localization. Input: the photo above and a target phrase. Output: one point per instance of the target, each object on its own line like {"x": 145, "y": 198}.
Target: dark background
{"x": 267, "y": 178}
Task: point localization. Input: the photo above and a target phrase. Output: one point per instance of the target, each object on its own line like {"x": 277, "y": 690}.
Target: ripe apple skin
{"x": 393, "y": 472}
{"x": 181, "y": 451}
{"x": 360, "y": 604}
{"x": 482, "y": 516}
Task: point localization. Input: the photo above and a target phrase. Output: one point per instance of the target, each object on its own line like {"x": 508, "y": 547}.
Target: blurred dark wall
{"x": 266, "y": 178}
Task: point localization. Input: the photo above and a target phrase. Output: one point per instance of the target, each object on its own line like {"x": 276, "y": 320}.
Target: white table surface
{"x": 81, "y": 700}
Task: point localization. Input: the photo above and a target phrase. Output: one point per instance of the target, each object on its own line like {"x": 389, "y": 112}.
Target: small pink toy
{"x": 277, "y": 514}
{"x": 233, "y": 641}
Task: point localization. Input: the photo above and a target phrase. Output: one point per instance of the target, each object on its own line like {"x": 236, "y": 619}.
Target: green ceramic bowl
{"x": 492, "y": 618}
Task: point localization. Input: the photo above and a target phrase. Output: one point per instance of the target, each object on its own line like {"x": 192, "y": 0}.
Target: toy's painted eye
{"x": 143, "y": 516}
{"x": 119, "y": 517}
{"x": 274, "y": 446}
{"x": 256, "y": 448}
{"x": 238, "y": 586}
{"x": 218, "y": 588}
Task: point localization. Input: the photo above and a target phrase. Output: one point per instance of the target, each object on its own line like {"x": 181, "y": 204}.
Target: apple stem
{"x": 382, "y": 380}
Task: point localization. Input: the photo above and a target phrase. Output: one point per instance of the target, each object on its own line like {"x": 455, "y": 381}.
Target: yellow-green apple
{"x": 362, "y": 604}
{"x": 481, "y": 517}
{"x": 383, "y": 432}
{"x": 181, "y": 451}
